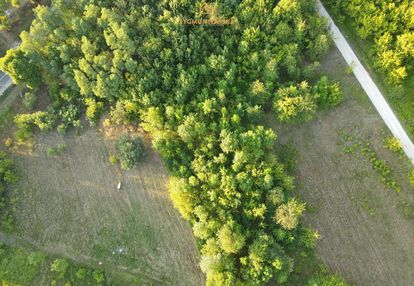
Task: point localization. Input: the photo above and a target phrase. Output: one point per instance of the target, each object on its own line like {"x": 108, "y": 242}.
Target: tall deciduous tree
{"x": 20, "y": 68}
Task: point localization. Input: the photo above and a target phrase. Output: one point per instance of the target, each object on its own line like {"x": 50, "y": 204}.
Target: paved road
{"x": 5, "y": 82}
{"x": 368, "y": 85}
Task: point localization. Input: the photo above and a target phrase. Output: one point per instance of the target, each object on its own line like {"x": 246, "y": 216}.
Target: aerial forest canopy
{"x": 390, "y": 25}
{"x": 5, "y": 5}
{"x": 200, "y": 91}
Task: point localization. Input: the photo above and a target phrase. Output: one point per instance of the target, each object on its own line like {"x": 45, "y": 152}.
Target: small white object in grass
{"x": 119, "y": 186}
{"x": 100, "y": 263}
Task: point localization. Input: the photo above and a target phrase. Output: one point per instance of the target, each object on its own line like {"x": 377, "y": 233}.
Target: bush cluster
{"x": 55, "y": 151}
{"x": 19, "y": 266}
{"x": 299, "y": 102}
{"x": 8, "y": 192}
{"x": 388, "y": 25}
{"x": 29, "y": 100}
{"x": 130, "y": 152}
{"x": 393, "y": 144}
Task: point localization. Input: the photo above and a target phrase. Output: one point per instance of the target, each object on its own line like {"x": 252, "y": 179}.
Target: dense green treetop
{"x": 200, "y": 91}
{"x": 390, "y": 25}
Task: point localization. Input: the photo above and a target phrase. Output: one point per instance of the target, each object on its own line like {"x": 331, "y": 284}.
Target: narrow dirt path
{"x": 368, "y": 85}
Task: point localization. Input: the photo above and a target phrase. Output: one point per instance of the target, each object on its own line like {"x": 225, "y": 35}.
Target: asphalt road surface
{"x": 368, "y": 85}
{"x": 5, "y": 82}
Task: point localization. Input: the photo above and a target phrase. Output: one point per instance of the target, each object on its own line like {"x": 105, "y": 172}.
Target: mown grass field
{"x": 70, "y": 203}
{"x": 367, "y": 229}
{"x": 69, "y": 206}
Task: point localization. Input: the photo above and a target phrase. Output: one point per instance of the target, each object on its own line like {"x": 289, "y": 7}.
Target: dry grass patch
{"x": 70, "y": 204}
{"x": 365, "y": 235}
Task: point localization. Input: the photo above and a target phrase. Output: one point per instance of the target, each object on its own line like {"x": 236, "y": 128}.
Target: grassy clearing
{"x": 402, "y": 102}
{"x": 19, "y": 266}
{"x": 366, "y": 228}
{"x": 71, "y": 206}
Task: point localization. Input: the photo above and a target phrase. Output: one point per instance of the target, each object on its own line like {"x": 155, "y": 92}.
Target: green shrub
{"x": 309, "y": 237}
{"x": 81, "y": 273}
{"x": 113, "y": 159}
{"x": 94, "y": 110}
{"x": 19, "y": 266}
{"x": 7, "y": 222}
{"x": 288, "y": 155}
{"x": 294, "y": 103}
{"x": 326, "y": 94}
{"x": 61, "y": 148}
{"x": 350, "y": 68}
{"x": 98, "y": 276}
{"x": 327, "y": 280}
{"x": 287, "y": 215}
{"x": 29, "y": 100}
{"x": 35, "y": 258}
{"x": 14, "y": 267}
{"x": 68, "y": 115}
{"x": 61, "y": 129}
{"x": 393, "y": 144}
{"x": 51, "y": 152}
{"x": 299, "y": 102}
{"x": 42, "y": 119}
{"x": 8, "y": 142}
{"x": 397, "y": 92}
{"x": 18, "y": 66}
{"x": 7, "y": 193}
{"x": 411, "y": 178}
{"x": 130, "y": 151}
{"x": 118, "y": 114}
{"x": 60, "y": 266}
{"x": 55, "y": 151}
{"x": 7, "y": 173}
{"x": 23, "y": 134}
